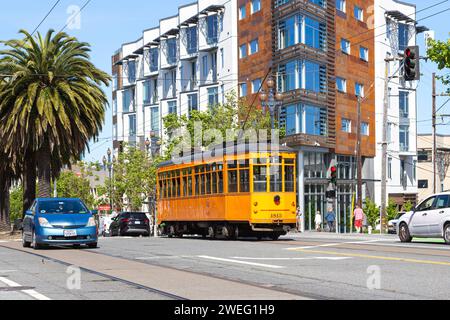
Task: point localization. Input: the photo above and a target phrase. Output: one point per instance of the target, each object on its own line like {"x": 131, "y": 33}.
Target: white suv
{"x": 430, "y": 219}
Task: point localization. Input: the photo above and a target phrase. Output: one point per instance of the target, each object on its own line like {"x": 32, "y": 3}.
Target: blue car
{"x": 55, "y": 221}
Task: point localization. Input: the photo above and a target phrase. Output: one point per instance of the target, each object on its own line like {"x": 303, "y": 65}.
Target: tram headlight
{"x": 255, "y": 204}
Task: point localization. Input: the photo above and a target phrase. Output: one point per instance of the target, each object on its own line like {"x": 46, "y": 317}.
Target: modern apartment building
{"x": 425, "y": 165}
{"x": 188, "y": 62}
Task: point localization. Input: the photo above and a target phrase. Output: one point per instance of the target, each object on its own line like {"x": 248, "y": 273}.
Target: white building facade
{"x": 188, "y": 62}
{"x": 390, "y": 42}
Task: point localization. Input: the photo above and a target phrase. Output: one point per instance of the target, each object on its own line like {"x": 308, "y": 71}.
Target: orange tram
{"x": 239, "y": 193}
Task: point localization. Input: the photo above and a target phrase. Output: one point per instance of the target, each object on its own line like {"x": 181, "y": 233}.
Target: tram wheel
{"x": 228, "y": 232}
{"x": 236, "y": 233}
{"x": 211, "y": 232}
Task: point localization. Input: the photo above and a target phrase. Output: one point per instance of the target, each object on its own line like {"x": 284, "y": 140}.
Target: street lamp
{"x": 108, "y": 164}
{"x": 271, "y": 100}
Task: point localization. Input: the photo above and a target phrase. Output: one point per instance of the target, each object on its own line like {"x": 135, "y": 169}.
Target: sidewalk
{"x": 346, "y": 236}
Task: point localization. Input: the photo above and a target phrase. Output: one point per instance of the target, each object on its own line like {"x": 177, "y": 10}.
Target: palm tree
{"x": 51, "y": 105}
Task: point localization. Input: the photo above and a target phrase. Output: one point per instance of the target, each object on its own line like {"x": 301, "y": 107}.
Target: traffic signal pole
{"x": 384, "y": 147}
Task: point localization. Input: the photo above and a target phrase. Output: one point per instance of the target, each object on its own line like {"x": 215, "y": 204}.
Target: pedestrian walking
{"x": 318, "y": 221}
{"x": 359, "y": 216}
{"x": 331, "y": 219}
{"x": 299, "y": 219}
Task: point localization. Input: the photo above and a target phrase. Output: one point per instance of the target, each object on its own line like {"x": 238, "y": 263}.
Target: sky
{"x": 106, "y": 24}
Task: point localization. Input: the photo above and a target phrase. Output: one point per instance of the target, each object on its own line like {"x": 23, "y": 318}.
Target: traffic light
{"x": 411, "y": 64}
{"x": 333, "y": 171}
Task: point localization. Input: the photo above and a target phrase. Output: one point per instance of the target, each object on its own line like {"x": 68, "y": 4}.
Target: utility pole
{"x": 384, "y": 146}
{"x": 434, "y": 156}
{"x": 358, "y": 155}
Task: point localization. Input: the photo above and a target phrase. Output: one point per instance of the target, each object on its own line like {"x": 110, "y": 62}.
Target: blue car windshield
{"x": 62, "y": 207}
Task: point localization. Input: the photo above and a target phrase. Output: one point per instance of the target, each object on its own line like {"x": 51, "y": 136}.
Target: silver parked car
{"x": 430, "y": 219}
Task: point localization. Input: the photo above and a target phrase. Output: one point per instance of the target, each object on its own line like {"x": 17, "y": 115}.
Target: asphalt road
{"x": 306, "y": 266}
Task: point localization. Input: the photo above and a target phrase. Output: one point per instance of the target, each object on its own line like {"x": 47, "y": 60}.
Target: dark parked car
{"x": 130, "y": 223}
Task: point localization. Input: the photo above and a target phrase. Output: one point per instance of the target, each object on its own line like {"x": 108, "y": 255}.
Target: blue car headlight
{"x": 91, "y": 222}
{"x": 44, "y": 223}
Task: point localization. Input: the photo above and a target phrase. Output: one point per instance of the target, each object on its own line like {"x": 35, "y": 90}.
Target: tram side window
{"x": 259, "y": 178}
{"x": 232, "y": 181}
{"x": 161, "y": 189}
{"x": 189, "y": 187}
{"x": 185, "y": 184}
{"x": 244, "y": 176}
{"x": 208, "y": 180}
{"x": 220, "y": 177}
{"x": 178, "y": 187}
{"x": 276, "y": 178}
{"x": 214, "y": 183}
{"x": 289, "y": 178}
{"x": 197, "y": 184}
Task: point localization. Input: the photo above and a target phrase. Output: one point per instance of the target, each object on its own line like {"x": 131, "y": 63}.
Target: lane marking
{"x": 32, "y": 293}
{"x": 295, "y": 259}
{"x": 7, "y": 271}
{"x": 242, "y": 262}
{"x": 331, "y": 245}
{"x": 442, "y": 263}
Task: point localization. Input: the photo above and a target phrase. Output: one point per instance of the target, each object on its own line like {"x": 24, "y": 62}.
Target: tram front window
{"x": 260, "y": 178}
{"x": 289, "y": 178}
{"x": 276, "y": 179}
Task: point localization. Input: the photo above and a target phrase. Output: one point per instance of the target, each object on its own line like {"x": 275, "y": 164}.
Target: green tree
{"x": 134, "y": 180}
{"x": 71, "y": 185}
{"x": 439, "y": 52}
{"x": 51, "y": 104}
{"x": 392, "y": 210}
{"x": 16, "y": 203}
{"x": 372, "y": 212}
{"x": 222, "y": 117}
{"x": 408, "y": 206}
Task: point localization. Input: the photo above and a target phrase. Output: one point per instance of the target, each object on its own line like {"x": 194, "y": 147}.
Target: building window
{"x": 254, "y": 46}
{"x": 404, "y": 138}
{"x": 212, "y": 34}
{"x": 115, "y": 106}
{"x": 256, "y": 6}
{"x": 192, "y": 103}
{"x": 346, "y": 125}
{"x": 155, "y": 119}
{"x": 128, "y": 100}
{"x": 191, "y": 34}
{"x": 131, "y": 71}
{"x": 315, "y": 121}
{"x": 314, "y": 33}
{"x": 404, "y": 104}
{"x": 289, "y": 119}
{"x": 364, "y": 54}
{"x": 341, "y": 85}
{"x": 414, "y": 170}
{"x": 147, "y": 91}
{"x": 312, "y": 76}
{"x": 340, "y": 5}
{"x": 403, "y": 36}
{"x": 115, "y": 82}
{"x": 359, "y": 90}
{"x": 290, "y": 76}
{"x": 213, "y": 97}
{"x": 423, "y": 156}
{"x": 358, "y": 12}
{"x": 422, "y": 184}
{"x": 256, "y": 85}
{"x": 287, "y": 32}
{"x": 222, "y": 57}
{"x": 172, "y": 51}
{"x": 154, "y": 59}
{"x": 365, "y": 129}
{"x": 132, "y": 125}
{"x": 242, "y": 12}
{"x": 345, "y": 46}
{"x": 205, "y": 66}
{"x": 243, "y": 90}
{"x": 172, "y": 107}
{"x": 243, "y": 51}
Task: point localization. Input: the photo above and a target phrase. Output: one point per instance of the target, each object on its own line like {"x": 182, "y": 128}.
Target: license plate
{"x": 70, "y": 233}
{"x": 137, "y": 222}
